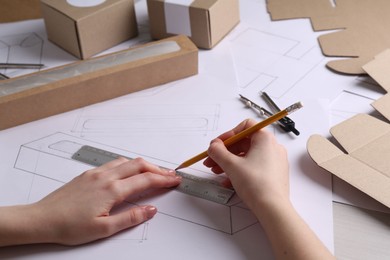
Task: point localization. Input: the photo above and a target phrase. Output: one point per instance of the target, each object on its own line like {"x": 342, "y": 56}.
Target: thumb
{"x": 220, "y": 154}
{"x": 130, "y": 218}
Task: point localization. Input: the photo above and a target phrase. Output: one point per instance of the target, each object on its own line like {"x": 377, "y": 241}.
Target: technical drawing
{"x": 161, "y": 119}
{"x": 272, "y": 63}
{"x": 42, "y": 157}
{"x": 348, "y": 104}
{"x": 21, "y": 48}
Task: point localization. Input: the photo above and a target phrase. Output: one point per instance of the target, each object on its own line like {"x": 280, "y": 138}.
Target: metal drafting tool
{"x": 258, "y": 109}
{"x": 190, "y": 184}
{"x": 287, "y": 123}
{"x": 2, "y": 76}
{"x": 20, "y": 66}
{"x": 246, "y": 132}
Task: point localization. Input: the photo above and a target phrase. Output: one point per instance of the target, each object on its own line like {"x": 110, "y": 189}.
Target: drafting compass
{"x": 285, "y": 123}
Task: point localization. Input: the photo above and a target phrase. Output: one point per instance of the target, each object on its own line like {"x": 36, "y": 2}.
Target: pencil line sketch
{"x": 21, "y": 48}
{"x": 348, "y": 104}
{"x": 270, "y": 62}
{"x": 30, "y": 158}
{"x": 157, "y": 119}
{"x": 42, "y": 158}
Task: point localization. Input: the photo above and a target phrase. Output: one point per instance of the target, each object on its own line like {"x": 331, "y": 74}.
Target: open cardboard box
{"x": 42, "y": 94}
{"x": 86, "y": 31}
{"x": 206, "y": 22}
{"x": 365, "y": 164}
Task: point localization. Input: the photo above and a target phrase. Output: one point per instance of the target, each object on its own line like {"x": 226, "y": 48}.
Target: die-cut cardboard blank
{"x": 366, "y": 163}
{"x": 362, "y": 28}
{"x": 378, "y": 69}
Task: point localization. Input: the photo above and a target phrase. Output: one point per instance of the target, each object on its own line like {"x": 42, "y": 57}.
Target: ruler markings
{"x": 191, "y": 184}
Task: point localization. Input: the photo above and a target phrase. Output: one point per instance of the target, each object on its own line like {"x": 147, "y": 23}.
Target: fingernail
{"x": 170, "y": 171}
{"x": 150, "y": 211}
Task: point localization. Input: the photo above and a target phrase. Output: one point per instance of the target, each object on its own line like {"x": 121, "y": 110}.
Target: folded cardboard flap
{"x": 366, "y": 165}
{"x": 366, "y": 139}
{"x": 37, "y": 95}
{"x": 378, "y": 70}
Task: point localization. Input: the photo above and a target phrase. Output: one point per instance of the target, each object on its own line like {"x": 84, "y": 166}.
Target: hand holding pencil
{"x": 245, "y": 133}
{"x": 258, "y": 170}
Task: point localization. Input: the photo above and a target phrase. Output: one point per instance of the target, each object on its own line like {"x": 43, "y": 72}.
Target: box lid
{"x": 75, "y": 12}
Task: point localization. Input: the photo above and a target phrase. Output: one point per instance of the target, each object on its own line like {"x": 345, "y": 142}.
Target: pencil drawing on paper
{"x": 42, "y": 157}
{"x": 21, "y": 48}
{"x": 271, "y": 62}
{"x": 134, "y": 120}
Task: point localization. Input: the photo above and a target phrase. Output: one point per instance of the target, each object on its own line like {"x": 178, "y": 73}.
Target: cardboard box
{"x": 86, "y": 31}
{"x": 206, "y": 22}
{"x": 16, "y": 10}
{"x": 69, "y": 87}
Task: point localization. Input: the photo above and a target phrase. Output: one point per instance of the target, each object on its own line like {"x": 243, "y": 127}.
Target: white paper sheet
{"x": 282, "y": 58}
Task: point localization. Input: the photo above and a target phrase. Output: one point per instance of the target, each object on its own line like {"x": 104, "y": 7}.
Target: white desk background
{"x": 282, "y": 58}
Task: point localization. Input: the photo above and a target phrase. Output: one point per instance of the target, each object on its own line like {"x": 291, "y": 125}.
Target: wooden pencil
{"x": 239, "y": 136}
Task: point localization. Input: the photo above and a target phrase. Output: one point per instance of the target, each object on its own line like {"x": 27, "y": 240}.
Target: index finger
{"x": 137, "y": 166}
{"x": 239, "y": 147}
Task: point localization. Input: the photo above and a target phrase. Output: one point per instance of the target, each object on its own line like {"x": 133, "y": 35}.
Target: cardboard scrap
{"x": 362, "y": 28}
{"x": 17, "y": 10}
{"x": 366, "y": 139}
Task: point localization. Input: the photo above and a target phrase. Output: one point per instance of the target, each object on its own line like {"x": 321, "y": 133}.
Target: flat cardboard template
{"x": 206, "y": 22}
{"x": 17, "y": 10}
{"x": 362, "y": 28}
{"x": 86, "y": 31}
{"x": 50, "y": 92}
{"x": 378, "y": 69}
{"x": 366, "y": 139}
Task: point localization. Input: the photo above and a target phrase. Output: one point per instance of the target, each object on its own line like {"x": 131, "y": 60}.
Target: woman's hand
{"x": 258, "y": 170}
{"x": 257, "y": 166}
{"x": 79, "y": 211}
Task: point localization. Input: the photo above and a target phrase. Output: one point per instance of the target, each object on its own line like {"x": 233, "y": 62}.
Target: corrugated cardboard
{"x": 208, "y": 20}
{"x": 362, "y": 28}
{"x": 366, "y": 140}
{"x": 86, "y": 31}
{"x": 17, "y": 10}
{"x": 101, "y": 84}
